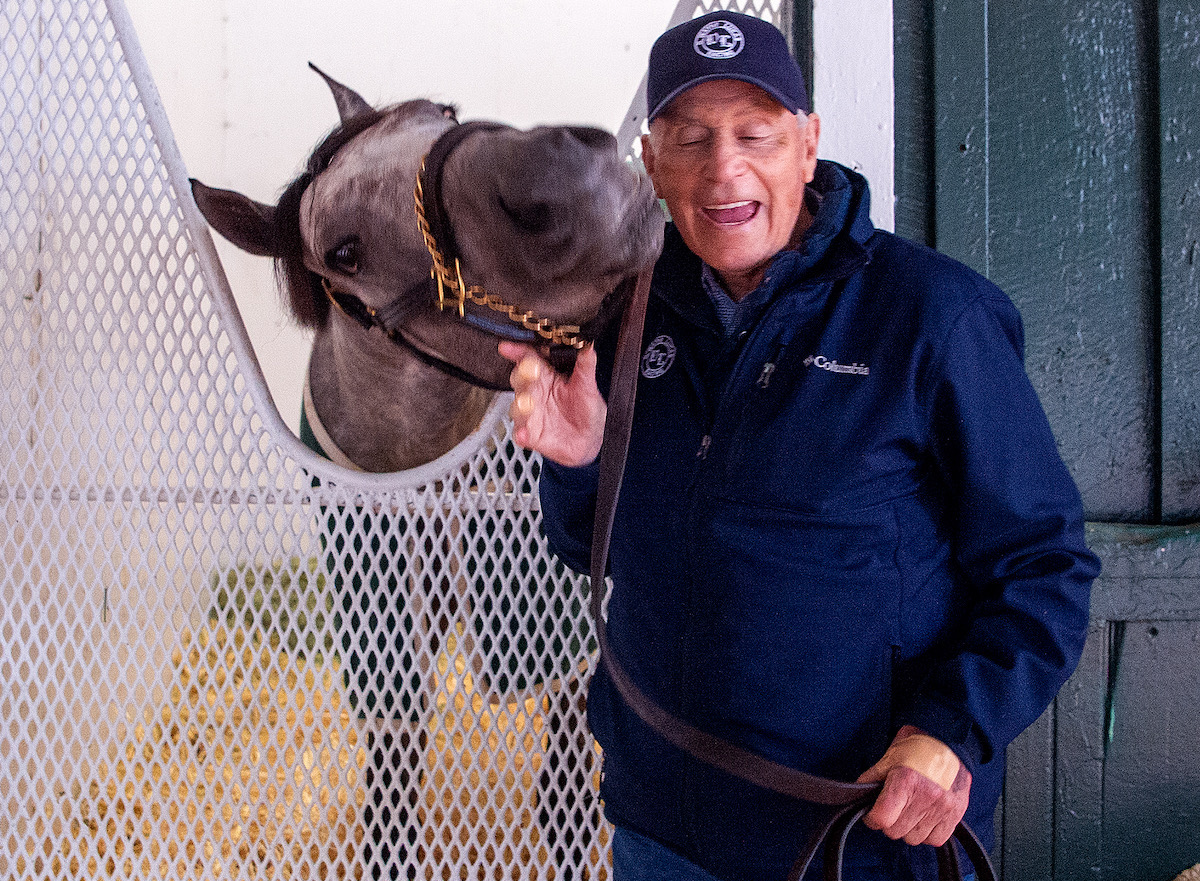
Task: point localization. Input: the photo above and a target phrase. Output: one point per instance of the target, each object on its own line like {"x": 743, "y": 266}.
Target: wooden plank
{"x": 1149, "y": 572}
{"x": 960, "y": 152}
{"x": 1079, "y": 764}
{"x": 1151, "y": 776}
{"x": 912, "y": 71}
{"x": 1027, "y": 851}
{"x": 1044, "y": 126}
{"x": 1067, "y": 171}
{"x": 1179, "y": 95}
{"x": 796, "y": 19}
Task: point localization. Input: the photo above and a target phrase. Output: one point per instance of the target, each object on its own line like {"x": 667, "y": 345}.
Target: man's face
{"x": 731, "y": 163}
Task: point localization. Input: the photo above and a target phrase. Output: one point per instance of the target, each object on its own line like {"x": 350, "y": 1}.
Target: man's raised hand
{"x": 560, "y": 417}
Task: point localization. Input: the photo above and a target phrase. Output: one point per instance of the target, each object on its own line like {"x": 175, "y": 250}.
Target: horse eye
{"x": 344, "y": 258}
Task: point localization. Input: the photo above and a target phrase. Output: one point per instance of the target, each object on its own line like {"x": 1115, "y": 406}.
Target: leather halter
{"x": 433, "y": 220}
{"x": 446, "y": 289}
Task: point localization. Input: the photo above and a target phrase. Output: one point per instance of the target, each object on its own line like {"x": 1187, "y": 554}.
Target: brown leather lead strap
{"x": 700, "y": 744}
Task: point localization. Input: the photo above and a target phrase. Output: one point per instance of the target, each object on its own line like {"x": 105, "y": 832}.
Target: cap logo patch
{"x": 658, "y": 357}
{"x": 719, "y": 39}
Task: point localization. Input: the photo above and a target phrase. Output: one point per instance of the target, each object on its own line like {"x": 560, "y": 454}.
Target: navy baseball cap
{"x": 724, "y": 45}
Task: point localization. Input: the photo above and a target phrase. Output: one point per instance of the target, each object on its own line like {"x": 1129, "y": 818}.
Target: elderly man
{"x": 846, "y": 540}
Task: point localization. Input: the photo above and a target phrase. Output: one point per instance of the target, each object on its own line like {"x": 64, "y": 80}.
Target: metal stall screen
{"x": 221, "y": 656}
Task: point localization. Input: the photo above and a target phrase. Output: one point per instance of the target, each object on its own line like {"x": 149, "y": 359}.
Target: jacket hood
{"x": 845, "y": 209}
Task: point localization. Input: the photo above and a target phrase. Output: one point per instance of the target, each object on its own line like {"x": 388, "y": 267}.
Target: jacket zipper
{"x": 687, "y": 783}
{"x": 763, "y": 381}
{"x": 764, "y": 378}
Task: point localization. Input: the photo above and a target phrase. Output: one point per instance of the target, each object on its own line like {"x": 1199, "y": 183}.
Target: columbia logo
{"x": 823, "y": 363}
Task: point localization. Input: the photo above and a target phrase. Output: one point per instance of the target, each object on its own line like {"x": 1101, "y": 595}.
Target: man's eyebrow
{"x": 673, "y": 116}
{"x": 680, "y": 118}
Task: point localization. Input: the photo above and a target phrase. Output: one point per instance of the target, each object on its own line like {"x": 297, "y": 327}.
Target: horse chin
{"x": 645, "y": 223}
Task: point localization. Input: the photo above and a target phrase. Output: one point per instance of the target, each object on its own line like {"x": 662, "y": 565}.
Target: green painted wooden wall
{"x": 1055, "y": 147}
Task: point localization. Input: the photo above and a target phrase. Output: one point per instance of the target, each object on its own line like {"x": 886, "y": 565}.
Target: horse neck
{"x": 385, "y": 409}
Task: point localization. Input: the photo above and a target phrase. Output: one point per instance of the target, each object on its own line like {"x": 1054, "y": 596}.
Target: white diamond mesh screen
{"x": 221, "y": 657}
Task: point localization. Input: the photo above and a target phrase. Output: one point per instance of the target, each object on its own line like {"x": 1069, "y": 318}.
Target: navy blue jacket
{"x": 848, "y": 515}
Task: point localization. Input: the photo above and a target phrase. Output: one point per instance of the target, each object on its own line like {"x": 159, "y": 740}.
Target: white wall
{"x": 246, "y": 110}
{"x": 854, "y": 91}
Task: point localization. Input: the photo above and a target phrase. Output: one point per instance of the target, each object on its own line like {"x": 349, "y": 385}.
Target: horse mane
{"x": 302, "y": 287}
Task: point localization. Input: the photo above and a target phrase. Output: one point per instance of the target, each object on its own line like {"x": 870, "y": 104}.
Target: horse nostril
{"x": 596, "y": 138}
{"x": 532, "y": 216}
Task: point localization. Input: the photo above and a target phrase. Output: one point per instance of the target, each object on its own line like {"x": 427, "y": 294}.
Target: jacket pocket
{"x": 797, "y": 618}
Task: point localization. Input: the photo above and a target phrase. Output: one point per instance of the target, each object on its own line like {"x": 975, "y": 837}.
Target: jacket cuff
{"x": 952, "y": 727}
{"x": 568, "y": 502}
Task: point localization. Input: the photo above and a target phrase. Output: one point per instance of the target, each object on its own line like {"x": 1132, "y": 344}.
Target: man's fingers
{"x": 585, "y": 363}
{"x": 562, "y": 418}
{"x": 914, "y": 808}
{"x": 524, "y": 379}
{"x": 942, "y": 831}
{"x": 892, "y": 802}
{"x": 514, "y": 351}
{"x": 527, "y": 419}
{"x": 528, "y": 370}
{"x": 521, "y": 408}
{"x": 926, "y": 789}
{"x": 526, "y": 374}
{"x": 920, "y": 828}
{"x": 924, "y": 754}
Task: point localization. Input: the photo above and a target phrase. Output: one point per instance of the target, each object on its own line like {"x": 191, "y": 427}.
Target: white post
{"x": 854, "y": 94}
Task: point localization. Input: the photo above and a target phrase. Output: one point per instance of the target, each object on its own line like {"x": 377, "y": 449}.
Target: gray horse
{"x": 533, "y": 236}
{"x": 548, "y": 222}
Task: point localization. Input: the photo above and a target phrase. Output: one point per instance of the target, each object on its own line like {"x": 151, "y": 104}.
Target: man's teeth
{"x": 726, "y": 206}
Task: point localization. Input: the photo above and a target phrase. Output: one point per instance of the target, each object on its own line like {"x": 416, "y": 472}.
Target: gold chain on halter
{"x": 453, "y": 292}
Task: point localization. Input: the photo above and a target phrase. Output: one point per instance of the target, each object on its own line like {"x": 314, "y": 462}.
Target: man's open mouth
{"x": 731, "y": 212}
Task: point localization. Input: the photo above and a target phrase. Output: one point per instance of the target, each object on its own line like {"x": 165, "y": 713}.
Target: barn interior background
{"x": 1055, "y": 149}
{"x": 219, "y": 655}
{"x": 178, "y": 690}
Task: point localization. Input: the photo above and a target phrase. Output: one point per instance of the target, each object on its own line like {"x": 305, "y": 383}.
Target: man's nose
{"x": 726, "y": 159}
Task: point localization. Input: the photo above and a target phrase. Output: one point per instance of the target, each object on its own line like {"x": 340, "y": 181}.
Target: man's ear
{"x": 648, "y": 159}
{"x": 812, "y": 136}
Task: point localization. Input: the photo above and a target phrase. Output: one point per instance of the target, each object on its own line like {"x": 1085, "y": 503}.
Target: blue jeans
{"x": 637, "y": 858}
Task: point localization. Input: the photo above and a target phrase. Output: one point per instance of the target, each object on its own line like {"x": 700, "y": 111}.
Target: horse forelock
{"x": 302, "y": 287}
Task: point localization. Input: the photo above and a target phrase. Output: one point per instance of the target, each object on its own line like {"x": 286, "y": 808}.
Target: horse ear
{"x": 349, "y": 103}
{"x": 248, "y": 224}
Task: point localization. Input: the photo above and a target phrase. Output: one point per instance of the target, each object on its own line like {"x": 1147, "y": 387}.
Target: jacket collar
{"x": 833, "y": 247}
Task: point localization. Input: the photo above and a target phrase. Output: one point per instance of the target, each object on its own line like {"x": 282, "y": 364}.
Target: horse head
{"x": 529, "y": 234}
